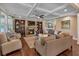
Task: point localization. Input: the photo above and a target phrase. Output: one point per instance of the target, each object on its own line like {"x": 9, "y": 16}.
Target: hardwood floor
{"x": 26, "y": 51}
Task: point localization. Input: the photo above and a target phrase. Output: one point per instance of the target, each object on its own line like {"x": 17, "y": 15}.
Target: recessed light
{"x": 19, "y": 16}
{"x": 38, "y": 17}
{"x": 65, "y": 10}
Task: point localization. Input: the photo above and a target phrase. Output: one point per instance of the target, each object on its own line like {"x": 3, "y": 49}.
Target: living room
{"x": 34, "y": 29}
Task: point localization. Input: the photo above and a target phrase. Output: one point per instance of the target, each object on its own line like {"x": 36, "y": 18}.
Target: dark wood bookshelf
{"x": 20, "y": 26}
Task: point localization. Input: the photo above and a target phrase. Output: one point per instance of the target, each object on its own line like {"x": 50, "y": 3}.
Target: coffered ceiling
{"x": 46, "y": 11}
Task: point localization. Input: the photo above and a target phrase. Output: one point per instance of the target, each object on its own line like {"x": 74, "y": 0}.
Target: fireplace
{"x": 31, "y": 31}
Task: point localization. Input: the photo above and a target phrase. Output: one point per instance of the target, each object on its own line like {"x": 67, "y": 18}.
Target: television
{"x": 31, "y": 23}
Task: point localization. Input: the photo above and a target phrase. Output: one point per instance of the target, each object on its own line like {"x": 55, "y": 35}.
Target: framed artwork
{"x": 50, "y": 25}
{"x": 65, "y": 24}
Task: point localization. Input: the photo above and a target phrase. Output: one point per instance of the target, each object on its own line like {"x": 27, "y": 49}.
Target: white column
{"x": 78, "y": 28}
{"x": 45, "y": 27}
{"x": 78, "y": 25}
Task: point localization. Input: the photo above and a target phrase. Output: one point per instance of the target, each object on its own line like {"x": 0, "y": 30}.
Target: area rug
{"x": 30, "y": 41}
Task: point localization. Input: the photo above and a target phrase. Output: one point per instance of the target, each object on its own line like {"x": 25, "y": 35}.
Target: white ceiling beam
{"x": 48, "y": 12}
{"x": 34, "y": 6}
{"x": 67, "y": 14}
{"x": 76, "y": 5}
{"x": 58, "y": 8}
{"x": 3, "y": 10}
{"x": 24, "y": 4}
{"x": 56, "y": 14}
{"x": 43, "y": 10}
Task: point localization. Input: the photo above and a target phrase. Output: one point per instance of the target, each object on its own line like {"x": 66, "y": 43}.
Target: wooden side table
{"x": 0, "y": 50}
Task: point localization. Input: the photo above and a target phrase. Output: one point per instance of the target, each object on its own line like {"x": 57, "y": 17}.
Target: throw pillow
{"x": 41, "y": 40}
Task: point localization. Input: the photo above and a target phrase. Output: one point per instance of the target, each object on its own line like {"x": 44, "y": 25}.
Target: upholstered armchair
{"x": 9, "y": 45}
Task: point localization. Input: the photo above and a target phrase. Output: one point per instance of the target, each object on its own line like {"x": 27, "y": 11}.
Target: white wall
{"x": 73, "y": 25}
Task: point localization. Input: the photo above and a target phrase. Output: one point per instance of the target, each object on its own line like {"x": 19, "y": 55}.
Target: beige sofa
{"x": 10, "y": 45}
{"x": 53, "y": 47}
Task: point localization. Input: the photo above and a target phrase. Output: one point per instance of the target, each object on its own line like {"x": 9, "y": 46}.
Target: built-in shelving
{"x": 32, "y": 26}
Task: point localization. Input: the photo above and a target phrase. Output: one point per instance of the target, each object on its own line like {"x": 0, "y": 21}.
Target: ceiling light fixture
{"x": 65, "y": 10}
{"x": 38, "y": 17}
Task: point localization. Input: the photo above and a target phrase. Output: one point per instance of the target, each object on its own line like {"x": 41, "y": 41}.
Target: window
{"x": 6, "y": 23}
{"x": 10, "y": 23}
